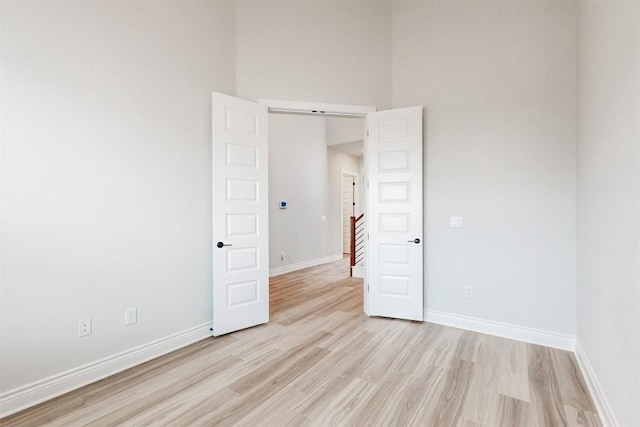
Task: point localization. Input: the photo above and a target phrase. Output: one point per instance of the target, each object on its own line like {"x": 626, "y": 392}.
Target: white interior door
{"x": 240, "y": 207}
{"x": 394, "y": 213}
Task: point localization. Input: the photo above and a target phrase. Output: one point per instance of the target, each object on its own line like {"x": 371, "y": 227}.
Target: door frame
{"x": 279, "y": 106}
{"x": 316, "y": 108}
{"x": 344, "y": 173}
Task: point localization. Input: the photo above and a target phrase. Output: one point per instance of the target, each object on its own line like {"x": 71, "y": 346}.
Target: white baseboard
{"x": 304, "y": 264}
{"x": 601, "y": 402}
{"x": 20, "y": 398}
{"x": 505, "y": 330}
{"x": 357, "y": 271}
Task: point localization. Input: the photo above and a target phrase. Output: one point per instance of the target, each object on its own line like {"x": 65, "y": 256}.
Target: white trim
{"x": 304, "y": 264}
{"x": 601, "y": 402}
{"x": 357, "y": 271}
{"x": 20, "y": 398}
{"x": 500, "y": 329}
{"x": 319, "y": 108}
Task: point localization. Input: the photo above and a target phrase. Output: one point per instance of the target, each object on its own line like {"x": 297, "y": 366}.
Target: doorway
{"x": 309, "y": 213}
{"x": 394, "y": 285}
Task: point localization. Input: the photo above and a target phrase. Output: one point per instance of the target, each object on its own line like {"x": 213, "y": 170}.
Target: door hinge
{"x": 367, "y": 236}
{"x": 367, "y": 287}
{"x": 367, "y": 132}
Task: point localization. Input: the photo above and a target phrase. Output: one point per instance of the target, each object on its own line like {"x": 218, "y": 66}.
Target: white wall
{"x": 106, "y": 175}
{"x": 298, "y": 174}
{"x": 325, "y": 51}
{"x": 498, "y": 82}
{"x": 341, "y": 130}
{"x": 609, "y": 202}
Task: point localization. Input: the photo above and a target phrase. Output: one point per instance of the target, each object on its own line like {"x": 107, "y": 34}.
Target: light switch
{"x": 456, "y": 222}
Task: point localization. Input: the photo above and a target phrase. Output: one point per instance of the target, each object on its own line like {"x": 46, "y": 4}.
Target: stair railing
{"x": 357, "y": 240}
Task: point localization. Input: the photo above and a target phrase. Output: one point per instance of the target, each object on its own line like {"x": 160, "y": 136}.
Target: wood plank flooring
{"x": 321, "y": 361}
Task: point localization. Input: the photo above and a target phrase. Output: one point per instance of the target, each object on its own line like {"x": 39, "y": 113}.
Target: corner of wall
{"x": 601, "y": 402}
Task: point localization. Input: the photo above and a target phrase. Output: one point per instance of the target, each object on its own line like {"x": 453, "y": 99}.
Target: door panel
{"x": 393, "y": 157}
{"x": 240, "y": 223}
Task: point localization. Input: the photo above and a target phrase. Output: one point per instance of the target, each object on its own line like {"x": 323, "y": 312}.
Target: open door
{"x": 240, "y": 209}
{"x": 393, "y": 157}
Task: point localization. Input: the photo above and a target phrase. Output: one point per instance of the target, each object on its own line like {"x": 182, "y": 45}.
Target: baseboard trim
{"x": 21, "y": 398}
{"x": 500, "y": 329}
{"x": 304, "y": 264}
{"x": 601, "y": 402}
{"x": 357, "y": 271}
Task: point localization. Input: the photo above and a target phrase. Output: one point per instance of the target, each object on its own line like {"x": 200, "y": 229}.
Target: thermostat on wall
{"x": 283, "y": 204}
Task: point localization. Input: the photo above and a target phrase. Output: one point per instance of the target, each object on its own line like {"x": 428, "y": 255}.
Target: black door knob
{"x": 220, "y": 244}
{"x": 416, "y": 241}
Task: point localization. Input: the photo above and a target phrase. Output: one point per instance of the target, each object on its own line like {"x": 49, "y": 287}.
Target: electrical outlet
{"x": 130, "y": 316}
{"x": 84, "y": 327}
{"x": 455, "y": 222}
{"x": 468, "y": 291}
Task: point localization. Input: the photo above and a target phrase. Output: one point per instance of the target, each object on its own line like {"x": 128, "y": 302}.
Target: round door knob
{"x": 220, "y": 245}
{"x": 416, "y": 241}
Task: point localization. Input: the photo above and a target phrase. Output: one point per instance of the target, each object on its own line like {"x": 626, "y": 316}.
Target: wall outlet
{"x": 130, "y": 316}
{"x": 468, "y": 291}
{"x": 84, "y": 327}
{"x": 282, "y": 256}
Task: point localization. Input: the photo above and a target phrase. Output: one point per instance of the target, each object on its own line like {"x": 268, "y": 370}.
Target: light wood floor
{"x": 321, "y": 361}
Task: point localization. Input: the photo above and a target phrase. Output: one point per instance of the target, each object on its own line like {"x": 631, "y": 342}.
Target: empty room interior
{"x": 143, "y": 257}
